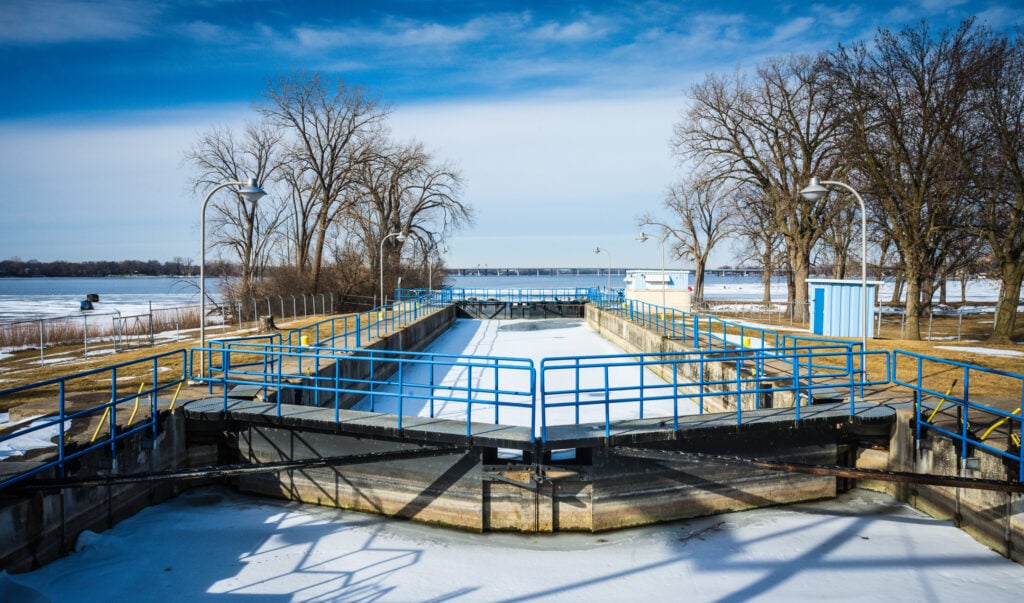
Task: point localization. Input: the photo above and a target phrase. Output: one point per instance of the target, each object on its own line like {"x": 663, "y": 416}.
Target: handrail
{"x": 64, "y": 419}
{"x": 405, "y": 377}
{"x": 753, "y": 378}
{"x": 965, "y": 406}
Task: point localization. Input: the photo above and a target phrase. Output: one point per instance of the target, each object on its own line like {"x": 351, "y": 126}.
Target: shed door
{"x": 818, "y": 318}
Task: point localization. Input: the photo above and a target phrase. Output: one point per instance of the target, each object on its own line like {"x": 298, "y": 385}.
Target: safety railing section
{"x": 702, "y": 331}
{"x": 355, "y": 330}
{"x": 972, "y": 421}
{"x": 566, "y": 294}
{"x": 117, "y": 416}
{"x": 476, "y": 389}
{"x": 595, "y": 389}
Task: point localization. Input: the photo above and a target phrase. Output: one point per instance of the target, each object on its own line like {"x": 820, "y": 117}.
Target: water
{"x": 26, "y": 298}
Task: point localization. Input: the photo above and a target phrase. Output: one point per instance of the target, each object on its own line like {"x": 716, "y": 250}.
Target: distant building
{"x": 668, "y": 288}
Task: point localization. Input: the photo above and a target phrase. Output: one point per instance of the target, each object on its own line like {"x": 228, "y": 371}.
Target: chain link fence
{"x": 105, "y": 332}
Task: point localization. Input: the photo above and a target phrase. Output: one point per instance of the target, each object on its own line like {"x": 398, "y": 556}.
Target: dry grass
{"x": 24, "y": 368}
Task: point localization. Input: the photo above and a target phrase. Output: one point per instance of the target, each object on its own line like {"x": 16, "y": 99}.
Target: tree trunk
{"x": 913, "y": 305}
{"x": 698, "y": 282}
{"x": 801, "y": 264}
{"x": 766, "y": 280}
{"x": 1009, "y": 300}
{"x": 318, "y": 255}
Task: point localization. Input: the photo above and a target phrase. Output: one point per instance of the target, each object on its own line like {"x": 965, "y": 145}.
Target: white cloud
{"x": 791, "y": 29}
{"x": 836, "y": 17}
{"x": 59, "y": 21}
{"x": 577, "y": 31}
{"x": 396, "y": 33}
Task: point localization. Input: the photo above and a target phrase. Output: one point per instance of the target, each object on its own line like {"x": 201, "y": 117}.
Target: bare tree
{"x": 331, "y": 127}
{"x": 907, "y": 125}
{"x": 401, "y": 189}
{"x": 244, "y": 228}
{"x": 702, "y": 215}
{"x": 772, "y": 132}
{"x": 759, "y": 244}
{"x": 1000, "y": 177}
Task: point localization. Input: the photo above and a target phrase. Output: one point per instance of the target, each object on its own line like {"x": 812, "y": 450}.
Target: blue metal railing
{"x": 355, "y": 330}
{"x": 627, "y": 386}
{"x": 449, "y": 295}
{"x": 763, "y": 362}
{"x": 402, "y": 383}
{"x": 154, "y": 366}
{"x": 965, "y": 408}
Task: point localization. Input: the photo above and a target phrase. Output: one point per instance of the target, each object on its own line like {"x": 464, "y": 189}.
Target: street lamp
{"x": 430, "y": 265}
{"x": 252, "y": 193}
{"x": 400, "y": 236}
{"x": 599, "y": 250}
{"x": 642, "y": 237}
{"x": 815, "y": 191}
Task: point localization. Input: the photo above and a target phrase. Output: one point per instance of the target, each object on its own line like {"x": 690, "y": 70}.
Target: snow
{"x": 211, "y": 542}
{"x": 983, "y": 351}
{"x": 525, "y": 339}
{"x": 40, "y": 438}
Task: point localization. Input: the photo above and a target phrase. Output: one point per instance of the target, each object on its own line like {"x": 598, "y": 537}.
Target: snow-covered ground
{"x": 40, "y": 438}
{"x": 534, "y": 340}
{"x": 211, "y": 544}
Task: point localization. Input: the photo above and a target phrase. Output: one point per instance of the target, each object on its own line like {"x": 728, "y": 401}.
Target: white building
{"x": 665, "y": 288}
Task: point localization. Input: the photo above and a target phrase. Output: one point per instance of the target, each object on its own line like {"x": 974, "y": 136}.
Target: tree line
{"x": 927, "y": 125}
{"x": 178, "y": 267}
{"x": 341, "y": 191}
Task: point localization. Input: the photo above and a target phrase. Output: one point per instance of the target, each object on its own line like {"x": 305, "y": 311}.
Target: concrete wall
{"x": 610, "y": 491}
{"x": 995, "y": 519}
{"x": 636, "y": 339}
{"x": 411, "y": 338}
{"x": 38, "y": 528}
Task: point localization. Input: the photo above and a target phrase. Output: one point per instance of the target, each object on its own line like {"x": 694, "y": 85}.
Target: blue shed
{"x": 836, "y": 307}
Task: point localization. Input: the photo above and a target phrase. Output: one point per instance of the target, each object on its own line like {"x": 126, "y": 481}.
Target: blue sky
{"x": 558, "y": 113}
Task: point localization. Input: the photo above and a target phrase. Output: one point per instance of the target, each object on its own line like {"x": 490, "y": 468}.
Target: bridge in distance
{"x": 497, "y": 271}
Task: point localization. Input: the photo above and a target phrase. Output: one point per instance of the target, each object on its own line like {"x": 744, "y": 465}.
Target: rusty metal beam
{"x": 926, "y": 479}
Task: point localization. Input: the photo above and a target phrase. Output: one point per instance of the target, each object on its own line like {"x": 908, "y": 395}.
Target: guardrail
{"x": 354, "y": 330}
{"x": 449, "y": 295}
{"x": 112, "y": 417}
{"x": 968, "y": 422}
{"x": 400, "y": 383}
{"x": 625, "y": 386}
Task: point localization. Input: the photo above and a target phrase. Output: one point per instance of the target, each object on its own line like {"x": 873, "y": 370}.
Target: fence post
{"x": 85, "y": 335}
{"x": 42, "y": 343}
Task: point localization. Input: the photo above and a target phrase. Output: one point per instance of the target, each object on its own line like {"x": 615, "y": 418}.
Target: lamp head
{"x": 597, "y": 250}
{"x": 402, "y": 237}
{"x": 813, "y": 191}
{"x": 642, "y": 237}
{"x": 252, "y": 192}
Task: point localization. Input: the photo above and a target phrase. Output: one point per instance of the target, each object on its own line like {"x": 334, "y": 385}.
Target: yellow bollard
{"x": 304, "y": 341}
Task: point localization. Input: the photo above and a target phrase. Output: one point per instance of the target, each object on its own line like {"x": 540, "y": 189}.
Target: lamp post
{"x": 815, "y": 191}
{"x": 430, "y": 265}
{"x": 252, "y": 193}
{"x": 599, "y": 250}
{"x": 642, "y": 237}
{"x": 401, "y": 239}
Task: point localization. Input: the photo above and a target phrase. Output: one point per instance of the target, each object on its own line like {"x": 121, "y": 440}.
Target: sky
{"x": 558, "y": 114}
